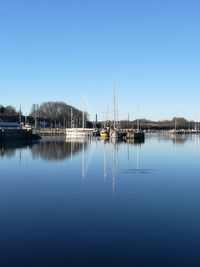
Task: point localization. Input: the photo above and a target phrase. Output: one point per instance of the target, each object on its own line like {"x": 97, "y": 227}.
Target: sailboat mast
{"x": 71, "y": 117}
{"x": 20, "y": 115}
{"x": 138, "y": 122}
{"x": 83, "y": 115}
{"x": 114, "y": 109}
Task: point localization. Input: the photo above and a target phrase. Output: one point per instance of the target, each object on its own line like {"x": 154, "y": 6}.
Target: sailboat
{"x": 116, "y": 133}
{"x": 105, "y": 132}
{"x": 78, "y": 132}
{"x": 139, "y": 134}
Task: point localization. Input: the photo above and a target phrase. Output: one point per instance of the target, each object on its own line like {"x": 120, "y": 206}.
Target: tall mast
{"x": 83, "y": 123}
{"x": 20, "y": 115}
{"x": 176, "y": 121}
{"x": 138, "y": 122}
{"x": 114, "y": 109}
{"x": 71, "y": 117}
{"x": 105, "y": 118}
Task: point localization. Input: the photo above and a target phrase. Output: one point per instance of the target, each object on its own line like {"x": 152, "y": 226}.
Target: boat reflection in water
{"x": 82, "y": 143}
{"x": 52, "y": 148}
{"x": 9, "y": 149}
{"x": 60, "y": 149}
{"x": 111, "y": 161}
{"x": 48, "y": 148}
{"x": 136, "y": 206}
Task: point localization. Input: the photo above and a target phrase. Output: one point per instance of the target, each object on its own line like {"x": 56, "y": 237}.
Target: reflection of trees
{"x": 9, "y": 153}
{"x": 179, "y": 140}
{"x": 47, "y": 149}
{"x": 174, "y": 138}
{"x": 56, "y": 149}
{"x": 9, "y": 149}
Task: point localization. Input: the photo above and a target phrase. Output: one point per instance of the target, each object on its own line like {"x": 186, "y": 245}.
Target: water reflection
{"x": 174, "y": 138}
{"x": 9, "y": 149}
{"x": 137, "y": 168}
{"x": 114, "y": 165}
{"x": 49, "y": 148}
{"x": 52, "y": 149}
{"x": 111, "y": 161}
{"x": 50, "y": 207}
{"x": 58, "y": 148}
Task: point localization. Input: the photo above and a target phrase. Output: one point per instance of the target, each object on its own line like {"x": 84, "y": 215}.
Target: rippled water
{"x": 98, "y": 203}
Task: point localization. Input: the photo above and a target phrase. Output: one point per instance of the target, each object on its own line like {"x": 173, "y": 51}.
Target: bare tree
{"x": 58, "y": 113}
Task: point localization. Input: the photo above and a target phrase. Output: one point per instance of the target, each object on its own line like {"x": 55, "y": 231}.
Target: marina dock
{"x": 17, "y": 134}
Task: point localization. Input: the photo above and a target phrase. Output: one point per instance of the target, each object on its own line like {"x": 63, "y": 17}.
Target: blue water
{"x": 98, "y": 203}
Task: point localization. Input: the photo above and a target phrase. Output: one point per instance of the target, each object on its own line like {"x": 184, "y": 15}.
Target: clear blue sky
{"x": 62, "y": 49}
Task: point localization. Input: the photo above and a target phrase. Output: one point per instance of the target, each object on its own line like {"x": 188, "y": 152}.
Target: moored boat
{"x": 105, "y": 132}
{"x": 78, "y": 132}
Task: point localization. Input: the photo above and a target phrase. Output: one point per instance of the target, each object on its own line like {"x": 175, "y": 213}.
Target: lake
{"x": 101, "y": 203}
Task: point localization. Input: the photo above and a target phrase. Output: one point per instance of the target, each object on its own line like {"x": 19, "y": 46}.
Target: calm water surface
{"x": 99, "y": 203}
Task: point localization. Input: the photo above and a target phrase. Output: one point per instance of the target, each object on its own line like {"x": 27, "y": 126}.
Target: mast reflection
{"x": 60, "y": 149}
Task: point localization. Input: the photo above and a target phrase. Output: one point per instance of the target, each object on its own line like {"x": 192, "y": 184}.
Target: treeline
{"x": 54, "y": 114}
{"x": 8, "y": 110}
{"x": 176, "y": 122}
{"x": 58, "y": 114}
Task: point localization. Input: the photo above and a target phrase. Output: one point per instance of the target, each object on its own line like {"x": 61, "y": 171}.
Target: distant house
{"x": 9, "y": 121}
{"x": 9, "y": 124}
